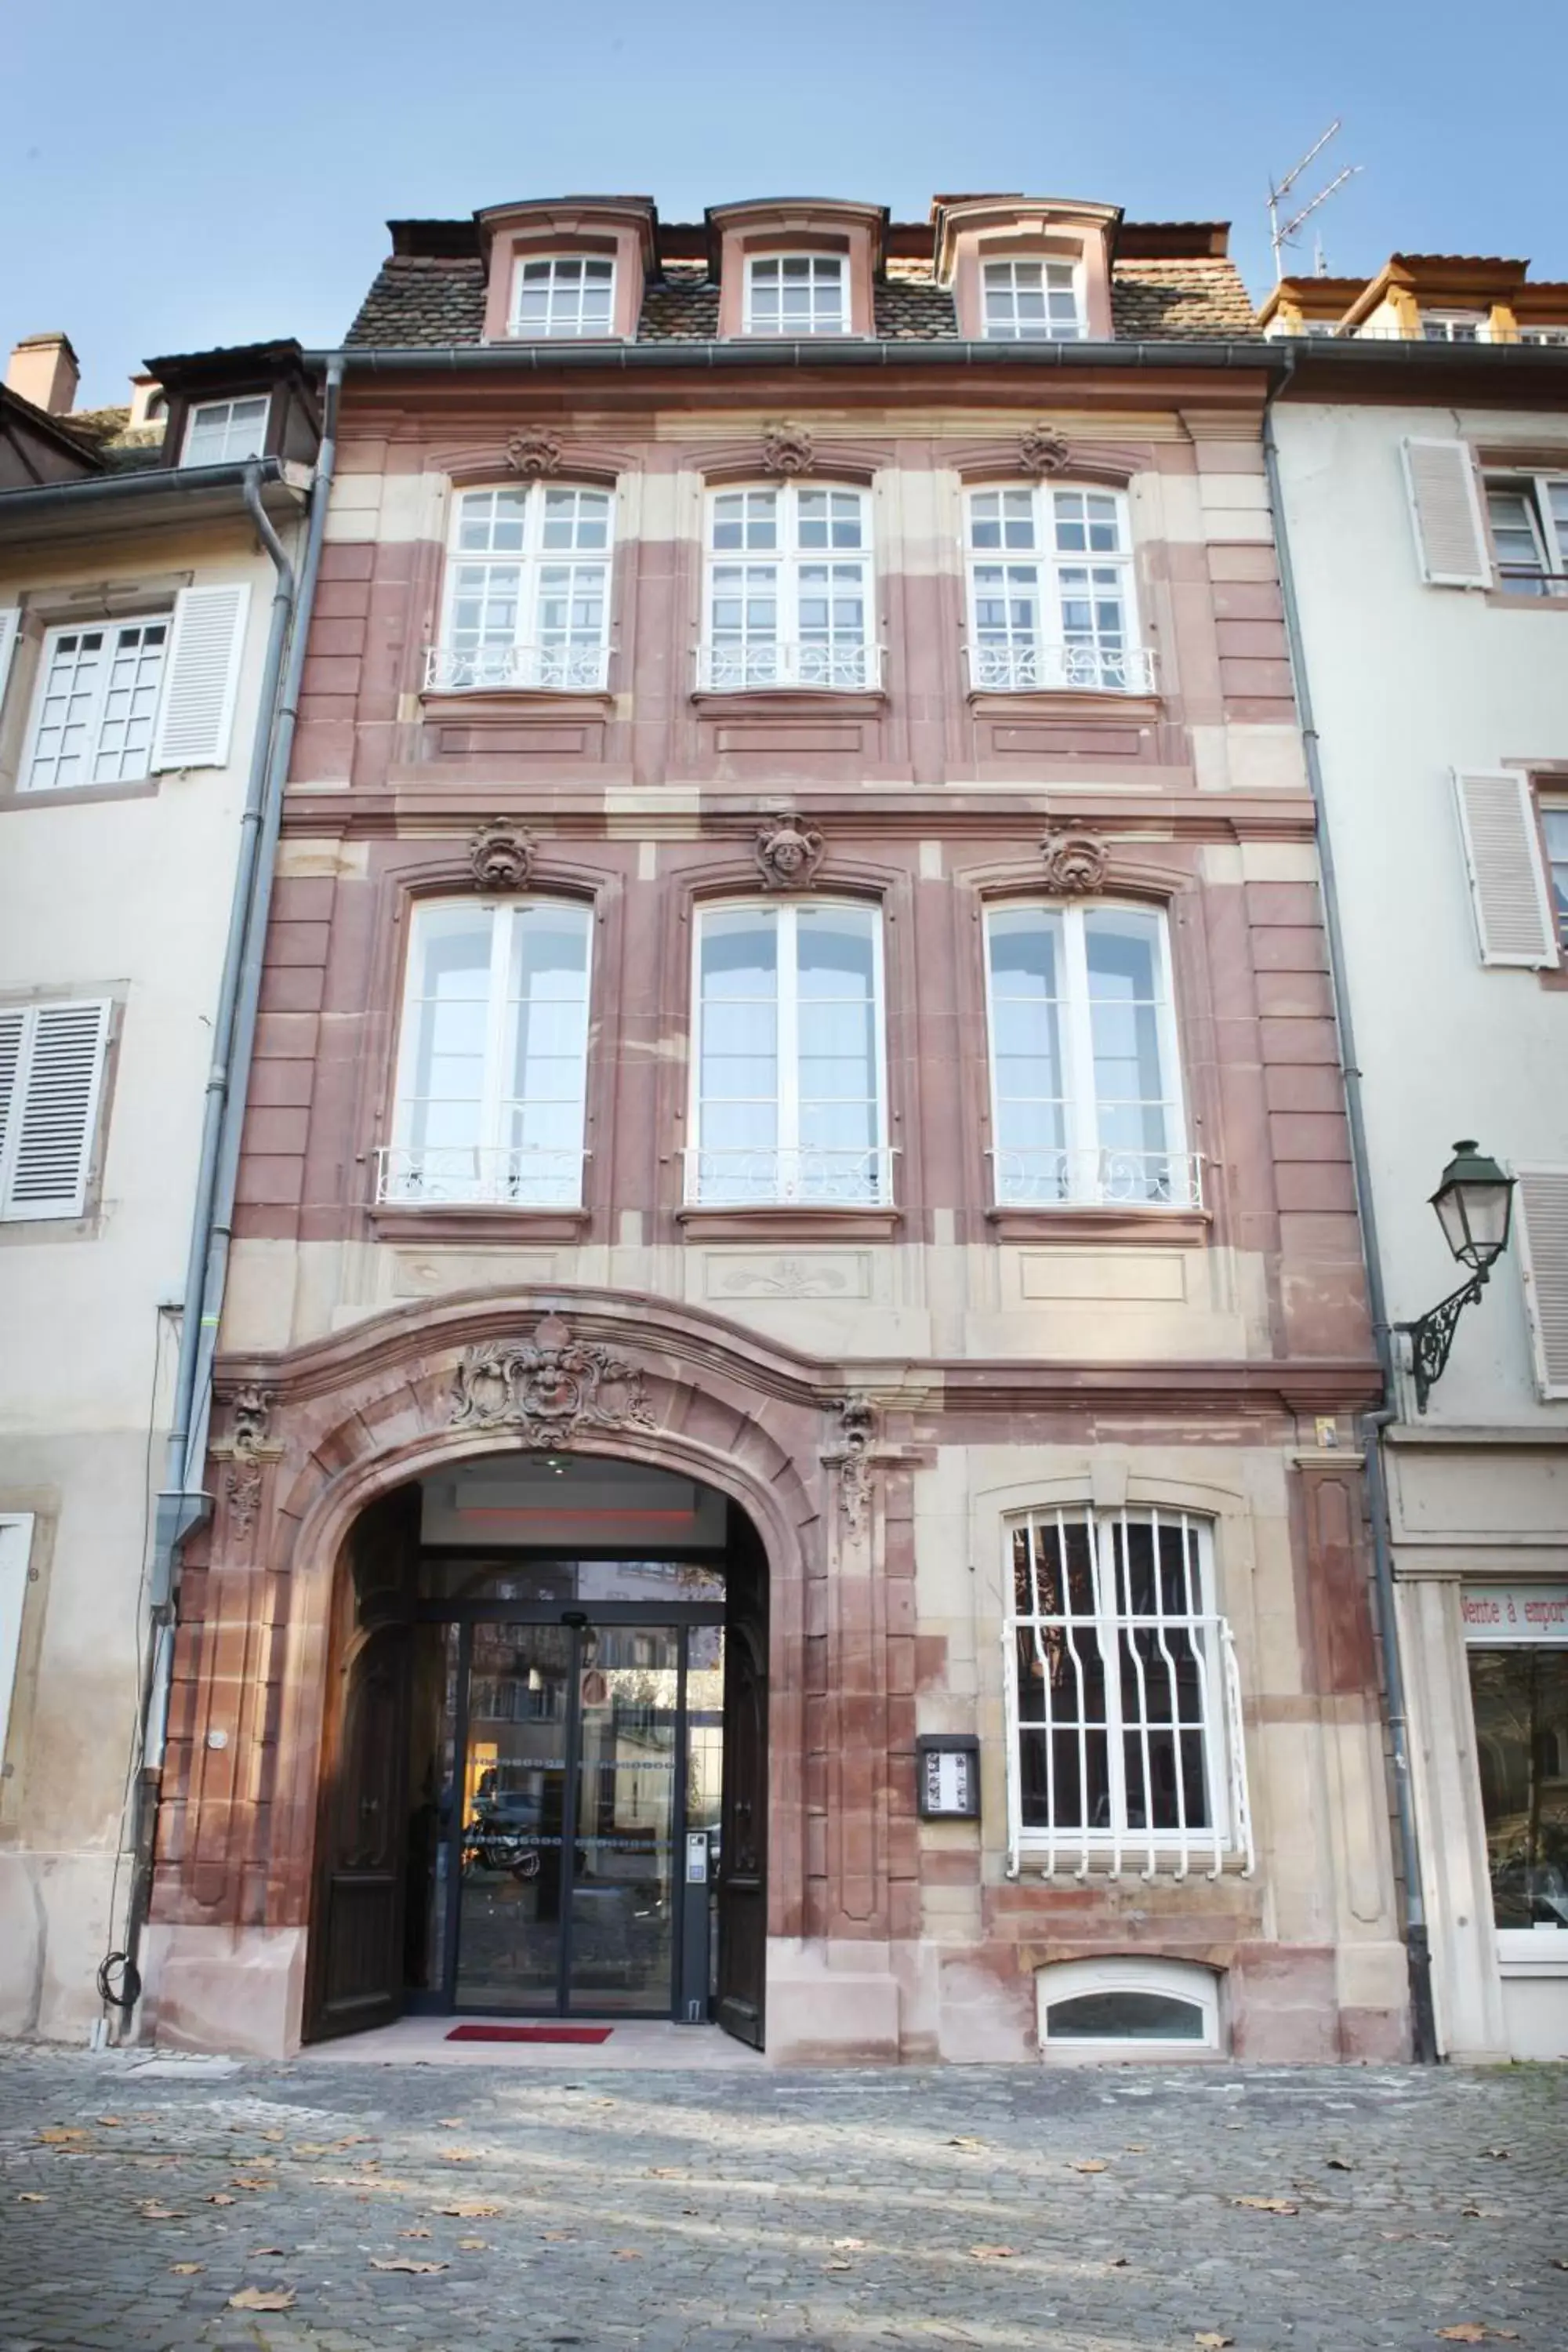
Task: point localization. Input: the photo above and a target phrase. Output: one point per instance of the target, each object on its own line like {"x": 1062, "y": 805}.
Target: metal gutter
{"x": 1418, "y": 1952}
{"x": 843, "y": 351}
{"x": 124, "y": 489}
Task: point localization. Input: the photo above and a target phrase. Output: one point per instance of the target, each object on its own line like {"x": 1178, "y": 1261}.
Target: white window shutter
{"x": 1446, "y": 511}
{"x": 10, "y": 626}
{"x": 1540, "y": 1218}
{"x": 48, "y": 1108}
{"x": 13, "y": 1029}
{"x": 1507, "y": 883}
{"x": 195, "y": 713}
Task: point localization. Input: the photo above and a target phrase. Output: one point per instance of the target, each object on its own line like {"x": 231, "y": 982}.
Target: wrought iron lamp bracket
{"x": 1432, "y": 1337}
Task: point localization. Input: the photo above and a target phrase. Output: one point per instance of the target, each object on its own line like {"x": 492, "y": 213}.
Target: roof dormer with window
{"x": 795, "y": 268}
{"x": 1026, "y": 268}
{"x": 566, "y": 270}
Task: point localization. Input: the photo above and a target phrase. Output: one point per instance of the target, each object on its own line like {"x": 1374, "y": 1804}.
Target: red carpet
{"x": 530, "y": 2033}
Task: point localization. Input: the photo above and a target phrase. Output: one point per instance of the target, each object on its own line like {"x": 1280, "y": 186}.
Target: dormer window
{"x": 1455, "y": 327}
{"x": 1032, "y": 302}
{"x": 221, "y": 432}
{"x": 564, "y": 296}
{"x": 796, "y": 294}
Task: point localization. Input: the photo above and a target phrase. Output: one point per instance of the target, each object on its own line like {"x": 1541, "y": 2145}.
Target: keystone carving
{"x": 857, "y": 1432}
{"x": 251, "y": 1414}
{"x": 788, "y": 854}
{"x": 787, "y": 449}
{"x": 1075, "y": 862}
{"x": 500, "y": 857}
{"x": 549, "y": 1389}
{"x": 532, "y": 453}
{"x": 1043, "y": 451}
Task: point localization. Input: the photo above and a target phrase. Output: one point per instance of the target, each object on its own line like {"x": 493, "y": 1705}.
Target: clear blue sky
{"x": 178, "y": 177}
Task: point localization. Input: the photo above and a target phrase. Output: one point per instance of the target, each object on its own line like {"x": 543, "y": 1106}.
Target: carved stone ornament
{"x": 251, "y": 1413}
{"x": 532, "y": 453}
{"x": 1075, "y": 862}
{"x": 550, "y": 1388}
{"x": 856, "y": 1431}
{"x": 244, "y": 1495}
{"x": 787, "y": 449}
{"x": 1043, "y": 451}
{"x": 788, "y": 854}
{"x": 500, "y": 857}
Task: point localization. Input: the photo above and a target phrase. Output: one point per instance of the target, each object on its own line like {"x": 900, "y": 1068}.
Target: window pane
{"x": 1555, "y": 826}
{"x": 546, "y": 1053}
{"x": 1030, "y": 1108}
{"x": 1122, "y": 949}
{"x": 1124, "y": 2017}
{"x": 446, "y": 1019}
{"x": 836, "y": 954}
{"x": 1520, "y": 1702}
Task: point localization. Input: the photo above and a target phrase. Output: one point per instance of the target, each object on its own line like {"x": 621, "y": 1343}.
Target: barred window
{"x": 1121, "y": 1685}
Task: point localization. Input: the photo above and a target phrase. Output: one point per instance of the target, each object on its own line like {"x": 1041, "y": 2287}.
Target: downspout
{"x": 182, "y": 1504}
{"x": 1424, "y": 2031}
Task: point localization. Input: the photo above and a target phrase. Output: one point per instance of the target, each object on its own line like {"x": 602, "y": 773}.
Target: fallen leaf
{"x": 150, "y": 2211}
{"x": 403, "y": 2262}
{"x": 414, "y": 2234}
{"x": 109, "y": 2123}
{"x": 270, "y": 2135}
{"x": 262, "y": 2298}
{"x": 468, "y": 2211}
{"x": 601, "y": 2103}
{"x": 1469, "y": 2331}
{"x": 848, "y": 2245}
{"x": 451, "y": 2123}
{"x": 1558, "y": 2262}
{"x": 1267, "y": 2204}
{"x": 559, "y": 2237}
{"x": 1340, "y": 2164}
{"x": 472, "y": 2245}
{"x": 314, "y": 2147}
{"x": 627, "y": 2254}
{"x": 184, "y": 2270}
{"x": 459, "y": 2155}
{"x": 665, "y": 2172}
{"x": 1137, "y": 2148}
{"x": 1091, "y": 2164}
{"x": 1213, "y": 2341}
{"x": 969, "y": 2146}
{"x": 30, "y": 2197}
{"x": 262, "y": 2250}
{"x": 992, "y": 2253}
{"x": 57, "y": 2134}
{"x": 220, "y": 2196}
{"x": 252, "y": 2180}
{"x": 1497, "y": 2151}
{"x": 837, "y": 2266}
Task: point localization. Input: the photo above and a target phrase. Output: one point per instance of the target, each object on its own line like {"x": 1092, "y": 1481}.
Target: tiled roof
{"x": 422, "y": 301}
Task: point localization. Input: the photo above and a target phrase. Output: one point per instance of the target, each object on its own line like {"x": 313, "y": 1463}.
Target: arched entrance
{"x": 544, "y": 1764}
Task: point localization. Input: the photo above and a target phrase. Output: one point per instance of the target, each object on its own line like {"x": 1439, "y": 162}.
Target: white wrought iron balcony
{"x": 1094, "y": 1179}
{"x": 469, "y": 1176}
{"x": 773, "y": 1176}
{"x": 761, "y": 666}
{"x": 539, "y": 670}
{"x": 1036, "y": 667}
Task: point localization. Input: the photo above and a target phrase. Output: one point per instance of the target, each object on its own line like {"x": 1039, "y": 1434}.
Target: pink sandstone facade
{"x": 886, "y": 1389}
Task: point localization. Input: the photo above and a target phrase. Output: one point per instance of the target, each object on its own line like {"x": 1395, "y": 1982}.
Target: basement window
{"x": 1102, "y": 2008}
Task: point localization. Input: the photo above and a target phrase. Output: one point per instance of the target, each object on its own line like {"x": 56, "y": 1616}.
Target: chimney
{"x": 43, "y": 369}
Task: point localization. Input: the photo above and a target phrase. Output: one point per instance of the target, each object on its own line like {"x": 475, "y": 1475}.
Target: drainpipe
{"x": 182, "y": 1504}
{"x": 1424, "y": 2031}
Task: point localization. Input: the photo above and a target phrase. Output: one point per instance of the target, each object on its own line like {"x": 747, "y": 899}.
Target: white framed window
{"x": 1125, "y": 2005}
{"x": 1085, "y": 1093}
{"x": 528, "y": 591}
{"x": 15, "y": 1550}
{"x": 1051, "y": 602}
{"x": 1529, "y": 517}
{"x": 96, "y": 703}
{"x": 797, "y": 294}
{"x": 221, "y": 432}
{"x": 1456, "y": 327}
{"x": 1031, "y": 302}
{"x": 492, "y": 1064}
{"x": 563, "y": 295}
{"x": 789, "y": 599}
{"x": 789, "y": 1074}
{"x": 1554, "y": 840}
{"x": 51, "y": 1082}
{"x": 1543, "y": 334}
{"x": 1124, "y": 1715}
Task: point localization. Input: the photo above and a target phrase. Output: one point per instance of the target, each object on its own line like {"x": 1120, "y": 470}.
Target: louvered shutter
{"x": 195, "y": 711}
{"x": 10, "y": 624}
{"x": 15, "y": 1542}
{"x": 1508, "y": 881}
{"x": 48, "y": 1107}
{"x": 1445, "y": 510}
{"x": 1541, "y": 1216}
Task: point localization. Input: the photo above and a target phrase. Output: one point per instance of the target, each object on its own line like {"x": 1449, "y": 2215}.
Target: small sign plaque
{"x": 947, "y": 1770}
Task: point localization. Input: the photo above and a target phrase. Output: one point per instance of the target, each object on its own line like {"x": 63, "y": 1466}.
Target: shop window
{"x": 528, "y": 592}
{"x": 1519, "y": 1695}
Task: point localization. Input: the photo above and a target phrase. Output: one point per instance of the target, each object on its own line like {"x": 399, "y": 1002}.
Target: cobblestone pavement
{"x": 490, "y": 2210}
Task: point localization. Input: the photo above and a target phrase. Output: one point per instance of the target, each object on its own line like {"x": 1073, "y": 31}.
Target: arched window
{"x": 1051, "y": 602}
{"x": 789, "y": 1089}
{"x": 789, "y": 598}
{"x": 1091, "y": 2009}
{"x": 528, "y": 591}
{"x": 492, "y": 1060}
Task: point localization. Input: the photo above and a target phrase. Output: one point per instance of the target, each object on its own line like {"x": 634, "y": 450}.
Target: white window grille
{"x": 492, "y": 1070}
{"x": 51, "y": 1079}
{"x": 528, "y": 592}
{"x": 221, "y": 432}
{"x": 1529, "y": 516}
{"x": 1456, "y": 327}
{"x": 1086, "y": 1100}
{"x": 565, "y": 295}
{"x": 97, "y": 704}
{"x": 789, "y": 592}
{"x": 1122, "y": 1697}
{"x": 1051, "y": 603}
{"x": 796, "y": 294}
{"x": 789, "y": 1085}
{"x": 1032, "y": 302}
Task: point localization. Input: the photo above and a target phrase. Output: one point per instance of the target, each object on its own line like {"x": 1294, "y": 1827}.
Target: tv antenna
{"x": 1280, "y": 236}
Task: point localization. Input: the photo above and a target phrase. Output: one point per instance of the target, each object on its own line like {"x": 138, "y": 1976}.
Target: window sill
{"x": 764, "y": 701}
{"x": 1100, "y": 1861}
{"x": 1180, "y": 1228}
{"x": 785, "y": 1221}
{"x": 1513, "y": 601}
{"x": 144, "y": 788}
{"x": 446, "y": 1220}
{"x": 1062, "y": 701}
{"x": 502, "y": 703}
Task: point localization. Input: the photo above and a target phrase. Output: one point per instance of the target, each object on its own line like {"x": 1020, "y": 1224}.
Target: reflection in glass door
{"x": 511, "y": 1801}
{"x": 621, "y": 1951}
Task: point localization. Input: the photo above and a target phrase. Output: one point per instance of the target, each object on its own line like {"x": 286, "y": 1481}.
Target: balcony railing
{"x": 774, "y": 1176}
{"x": 469, "y": 1176}
{"x": 761, "y": 666}
{"x": 1039, "y": 668}
{"x": 539, "y": 670}
{"x": 1093, "y": 1179}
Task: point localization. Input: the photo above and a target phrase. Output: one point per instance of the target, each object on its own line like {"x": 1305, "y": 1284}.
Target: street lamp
{"x": 1474, "y": 1204}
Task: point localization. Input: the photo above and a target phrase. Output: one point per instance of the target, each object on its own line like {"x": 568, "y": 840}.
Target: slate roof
{"x": 428, "y": 301}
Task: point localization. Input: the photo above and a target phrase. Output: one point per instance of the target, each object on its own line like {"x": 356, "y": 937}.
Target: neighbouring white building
{"x": 1423, "y": 458}
{"x": 141, "y": 648}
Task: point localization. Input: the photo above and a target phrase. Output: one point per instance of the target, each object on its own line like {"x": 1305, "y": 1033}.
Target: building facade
{"x": 134, "y": 621}
{"x": 784, "y": 1438}
{"x": 1424, "y": 452}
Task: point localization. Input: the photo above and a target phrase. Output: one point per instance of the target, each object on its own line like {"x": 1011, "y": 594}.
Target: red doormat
{"x": 530, "y": 2033}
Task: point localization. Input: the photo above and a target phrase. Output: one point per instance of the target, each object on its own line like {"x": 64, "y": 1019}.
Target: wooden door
{"x": 743, "y": 1836}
